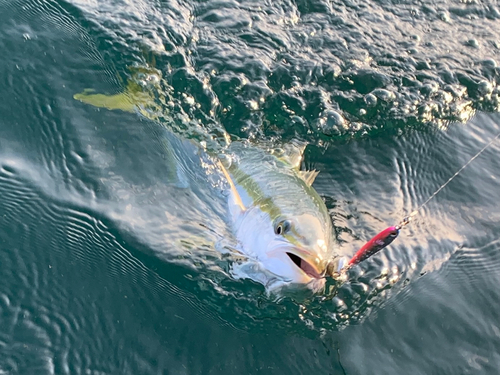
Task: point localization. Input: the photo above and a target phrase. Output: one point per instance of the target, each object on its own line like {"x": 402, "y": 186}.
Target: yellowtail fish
{"x": 281, "y": 224}
{"x": 278, "y": 218}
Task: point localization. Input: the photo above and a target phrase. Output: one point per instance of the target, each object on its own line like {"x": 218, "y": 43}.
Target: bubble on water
{"x": 153, "y": 79}
{"x": 331, "y": 123}
{"x": 474, "y": 43}
{"x": 188, "y": 99}
{"x": 370, "y": 100}
{"x": 384, "y": 95}
{"x": 444, "y": 16}
{"x": 484, "y": 87}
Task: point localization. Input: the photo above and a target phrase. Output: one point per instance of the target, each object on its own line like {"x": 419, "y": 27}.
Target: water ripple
{"x": 473, "y": 263}
{"x": 55, "y": 306}
{"x": 109, "y": 236}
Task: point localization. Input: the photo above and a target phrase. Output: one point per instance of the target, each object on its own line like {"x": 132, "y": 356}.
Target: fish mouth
{"x": 305, "y": 266}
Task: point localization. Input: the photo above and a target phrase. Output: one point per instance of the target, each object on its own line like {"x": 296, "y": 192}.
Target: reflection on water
{"x": 113, "y": 229}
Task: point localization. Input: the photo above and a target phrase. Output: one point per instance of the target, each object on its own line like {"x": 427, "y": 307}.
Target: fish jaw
{"x": 291, "y": 270}
{"x": 294, "y": 264}
{"x": 309, "y": 262}
{"x": 274, "y": 283}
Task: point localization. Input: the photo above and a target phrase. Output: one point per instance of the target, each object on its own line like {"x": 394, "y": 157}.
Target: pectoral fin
{"x": 237, "y": 202}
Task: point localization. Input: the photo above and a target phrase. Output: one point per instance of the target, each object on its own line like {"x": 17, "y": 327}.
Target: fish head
{"x": 295, "y": 248}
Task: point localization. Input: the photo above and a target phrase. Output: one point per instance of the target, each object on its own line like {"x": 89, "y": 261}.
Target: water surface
{"x": 112, "y": 224}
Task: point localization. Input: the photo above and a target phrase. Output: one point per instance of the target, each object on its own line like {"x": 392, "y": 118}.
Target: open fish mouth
{"x": 306, "y": 267}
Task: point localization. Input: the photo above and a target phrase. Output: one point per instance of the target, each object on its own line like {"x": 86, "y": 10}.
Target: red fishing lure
{"x": 376, "y": 244}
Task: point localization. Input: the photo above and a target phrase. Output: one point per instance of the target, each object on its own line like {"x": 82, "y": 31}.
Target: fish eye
{"x": 282, "y": 227}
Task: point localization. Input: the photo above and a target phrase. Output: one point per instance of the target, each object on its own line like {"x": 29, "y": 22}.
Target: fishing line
{"x": 388, "y": 235}
{"x": 408, "y": 218}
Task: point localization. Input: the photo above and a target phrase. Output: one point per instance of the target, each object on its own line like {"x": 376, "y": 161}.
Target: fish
{"x": 281, "y": 224}
{"x": 279, "y": 219}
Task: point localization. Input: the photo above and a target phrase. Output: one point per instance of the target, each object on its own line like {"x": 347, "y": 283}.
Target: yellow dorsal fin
{"x": 236, "y": 195}
{"x": 308, "y": 176}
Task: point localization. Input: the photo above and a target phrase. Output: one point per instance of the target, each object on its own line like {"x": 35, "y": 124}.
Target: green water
{"x": 111, "y": 229}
